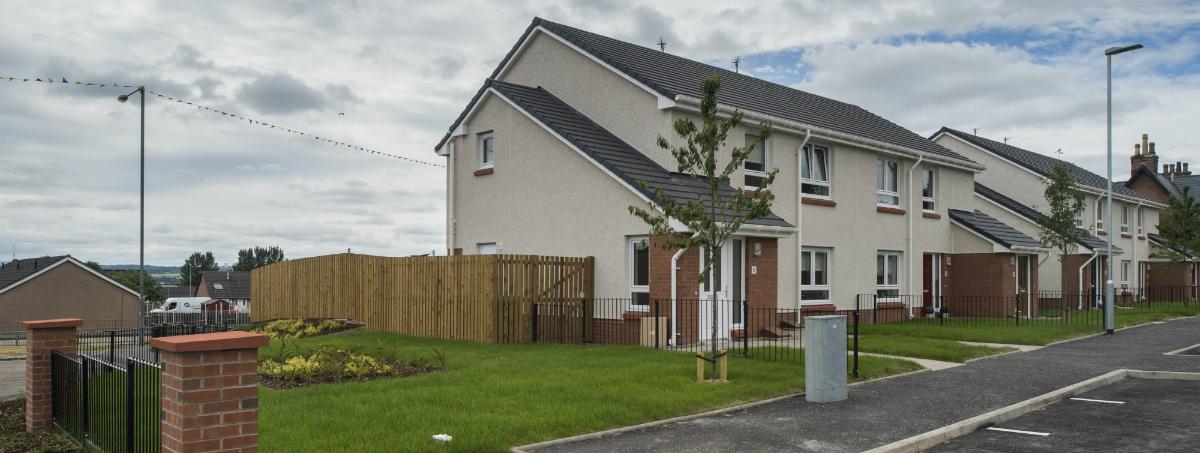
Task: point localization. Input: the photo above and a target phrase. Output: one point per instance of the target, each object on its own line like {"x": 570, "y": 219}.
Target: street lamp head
{"x": 1116, "y": 50}
{"x": 123, "y": 97}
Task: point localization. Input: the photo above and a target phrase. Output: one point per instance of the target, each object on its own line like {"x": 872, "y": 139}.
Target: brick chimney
{"x": 1143, "y": 154}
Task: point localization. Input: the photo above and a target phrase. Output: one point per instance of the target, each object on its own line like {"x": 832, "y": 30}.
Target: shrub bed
{"x": 301, "y": 328}
{"x": 332, "y": 364}
{"x": 13, "y": 438}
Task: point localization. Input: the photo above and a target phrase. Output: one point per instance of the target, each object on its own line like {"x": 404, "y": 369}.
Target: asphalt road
{"x": 1133, "y": 415}
{"x": 885, "y": 411}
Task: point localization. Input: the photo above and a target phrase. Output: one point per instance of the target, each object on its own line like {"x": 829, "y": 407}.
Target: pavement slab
{"x": 12, "y": 379}
{"x": 884, "y": 411}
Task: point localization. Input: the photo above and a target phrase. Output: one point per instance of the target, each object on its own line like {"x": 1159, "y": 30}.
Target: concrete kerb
{"x": 946, "y": 433}
{"x": 530, "y": 448}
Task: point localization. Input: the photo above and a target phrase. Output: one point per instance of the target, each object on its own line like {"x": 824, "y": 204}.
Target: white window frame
{"x": 1126, "y": 270}
{"x": 881, "y": 186}
{"x": 631, "y": 244}
{"x": 1140, "y": 219}
{"x": 766, "y": 152}
{"x": 1124, "y": 218}
{"x": 808, "y": 255}
{"x": 932, "y": 197}
{"x": 809, "y": 156}
{"x": 481, "y": 248}
{"x": 484, "y": 137}
{"x": 1100, "y": 214}
{"x": 896, "y": 273}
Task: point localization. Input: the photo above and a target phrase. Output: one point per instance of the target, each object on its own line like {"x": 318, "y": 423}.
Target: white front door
{"x": 721, "y": 278}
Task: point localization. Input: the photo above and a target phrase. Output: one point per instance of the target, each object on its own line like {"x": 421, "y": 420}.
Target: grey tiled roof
{"x": 1042, "y": 164}
{"x": 1192, "y": 182}
{"x": 16, "y": 270}
{"x": 670, "y": 75}
{"x": 1086, "y": 239}
{"x": 627, "y": 163}
{"x": 226, "y": 285}
{"x": 993, "y": 229}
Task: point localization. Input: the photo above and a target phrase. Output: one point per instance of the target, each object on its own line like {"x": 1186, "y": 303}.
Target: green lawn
{"x": 925, "y": 348}
{"x": 492, "y": 397}
{"x": 1040, "y": 332}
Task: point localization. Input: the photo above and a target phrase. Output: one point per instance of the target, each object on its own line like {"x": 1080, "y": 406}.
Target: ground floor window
{"x": 639, "y": 270}
{"x": 486, "y": 248}
{"x": 814, "y": 274}
{"x": 1126, "y": 270}
{"x": 887, "y": 275}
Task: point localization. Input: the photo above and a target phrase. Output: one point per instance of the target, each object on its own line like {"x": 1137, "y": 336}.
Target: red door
{"x": 927, "y": 280}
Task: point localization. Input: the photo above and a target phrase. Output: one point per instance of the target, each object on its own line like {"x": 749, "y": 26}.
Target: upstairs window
{"x": 886, "y": 184}
{"x": 1100, "y": 214}
{"x": 814, "y": 275}
{"x": 929, "y": 190}
{"x": 887, "y": 275}
{"x": 486, "y": 248}
{"x": 487, "y": 149}
{"x": 756, "y": 163}
{"x": 639, "y": 271}
{"x": 1139, "y": 220}
{"x": 814, "y": 171}
{"x": 1125, "y": 218}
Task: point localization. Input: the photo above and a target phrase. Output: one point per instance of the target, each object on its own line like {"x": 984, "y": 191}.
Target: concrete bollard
{"x": 825, "y": 359}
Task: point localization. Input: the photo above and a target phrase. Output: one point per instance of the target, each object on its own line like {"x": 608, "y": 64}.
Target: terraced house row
{"x": 548, "y": 155}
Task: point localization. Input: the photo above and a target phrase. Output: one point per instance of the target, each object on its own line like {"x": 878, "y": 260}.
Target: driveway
{"x": 888, "y": 410}
{"x": 12, "y": 379}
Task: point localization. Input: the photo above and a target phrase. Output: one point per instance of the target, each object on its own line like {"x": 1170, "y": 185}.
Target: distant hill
{"x": 150, "y": 269}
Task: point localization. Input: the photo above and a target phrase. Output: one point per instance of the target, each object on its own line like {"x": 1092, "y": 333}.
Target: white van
{"x": 182, "y": 305}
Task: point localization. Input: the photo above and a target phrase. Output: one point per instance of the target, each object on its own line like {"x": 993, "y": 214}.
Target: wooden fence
{"x": 486, "y": 298}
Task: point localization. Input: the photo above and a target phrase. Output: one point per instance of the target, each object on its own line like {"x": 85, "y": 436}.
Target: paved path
{"x": 884, "y": 411}
{"x": 12, "y": 379}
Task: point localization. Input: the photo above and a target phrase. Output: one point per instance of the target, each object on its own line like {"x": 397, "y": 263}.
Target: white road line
{"x": 1098, "y": 401}
{"x": 1017, "y": 431}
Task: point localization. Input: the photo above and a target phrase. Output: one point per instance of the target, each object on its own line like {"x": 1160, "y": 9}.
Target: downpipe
{"x": 909, "y": 214}
{"x": 674, "y": 296}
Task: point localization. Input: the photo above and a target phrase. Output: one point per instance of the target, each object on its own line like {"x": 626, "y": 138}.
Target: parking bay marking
{"x": 1017, "y": 431}
{"x": 1098, "y": 401}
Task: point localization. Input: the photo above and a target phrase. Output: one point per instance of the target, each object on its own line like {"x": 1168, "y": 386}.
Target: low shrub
{"x": 330, "y": 364}
{"x": 300, "y": 328}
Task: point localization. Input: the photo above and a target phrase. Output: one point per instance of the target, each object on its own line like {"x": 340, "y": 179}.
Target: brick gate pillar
{"x": 44, "y": 337}
{"x": 210, "y": 391}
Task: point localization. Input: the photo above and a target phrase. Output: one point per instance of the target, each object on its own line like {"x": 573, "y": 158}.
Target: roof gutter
{"x": 693, "y": 103}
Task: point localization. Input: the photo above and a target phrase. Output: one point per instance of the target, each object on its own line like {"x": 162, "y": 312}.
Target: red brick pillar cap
{"x": 52, "y": 323}
{"x": 220, "y": 341}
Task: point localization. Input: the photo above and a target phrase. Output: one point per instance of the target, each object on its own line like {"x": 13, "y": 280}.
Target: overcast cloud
{"x": 393, "y": 75}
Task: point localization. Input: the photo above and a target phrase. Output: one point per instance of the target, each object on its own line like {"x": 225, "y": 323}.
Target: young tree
{"x": 1060, "y": 226}
{"x": 252, "y": 258}
{"x": 1180, "y": 228}
{"x": 713, "y": 218}
{"x": 189, "y": 273}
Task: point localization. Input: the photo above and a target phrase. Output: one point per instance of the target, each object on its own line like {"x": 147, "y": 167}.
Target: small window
{"x": 814, "y": 275}
{"x": 1100, "y": 214}
{"x": 1139, "y": 220}
{"x": 487, "y": 149}
{"x": 814, "y": 171}
{"x": 886, "y": 184}
{"x": 929, "y": 190}
{"x": 756, "y": 163}
{"x": 1126, "y": 267}
{"x": 639, "y": 270}
{"x": 218, "y": 286}
{"x": 1079, "y": 220}
{"x": 887, "y": 275}
{"x": 1125, "y": 218}
{"x": 486, "y": 248}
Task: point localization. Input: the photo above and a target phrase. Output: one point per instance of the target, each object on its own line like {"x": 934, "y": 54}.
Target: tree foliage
{"x": 1180, "y": 228}
{"x": 129, "y": 278}
{"x": 189, "y": 273}
{"x": 253, "y": 258}
{"x": 1060, "y": 226}
{"x": 719, "y": 214}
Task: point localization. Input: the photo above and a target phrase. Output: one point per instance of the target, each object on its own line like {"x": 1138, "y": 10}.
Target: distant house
{"x": 233, "y": 287}
{"x": 63, "y": 287}
{"x": 1161, "y": 187}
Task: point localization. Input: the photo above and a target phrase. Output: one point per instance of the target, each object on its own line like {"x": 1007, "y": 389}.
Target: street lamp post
{"x": 1108, "y": 284}
{"x": 141, "y": 91}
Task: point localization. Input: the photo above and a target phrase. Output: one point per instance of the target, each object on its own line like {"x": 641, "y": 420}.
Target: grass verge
{"x": 1037, "y": 333}
{"x": 492, "y": 397}
{"x": 925, "y": 348}
{"x": 13, "y": 438}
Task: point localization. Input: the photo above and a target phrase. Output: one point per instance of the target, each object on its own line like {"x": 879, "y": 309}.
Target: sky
{"x": 393, "y": 75}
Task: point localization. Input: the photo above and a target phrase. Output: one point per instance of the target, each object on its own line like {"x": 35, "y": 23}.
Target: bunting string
{"x": 233, "y": 116}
